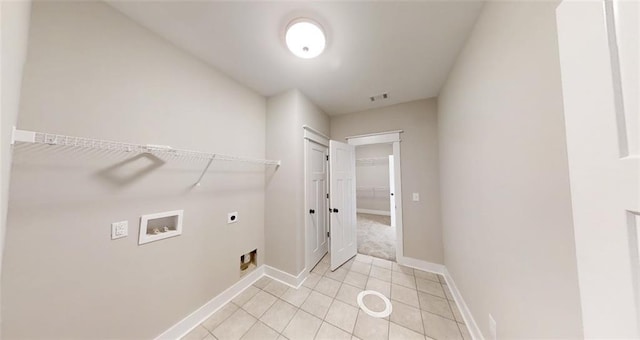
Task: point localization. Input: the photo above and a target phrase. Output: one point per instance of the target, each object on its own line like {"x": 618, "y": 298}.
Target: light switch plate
{"x": 119, "y": 229}
{"x": 416, "y": 197}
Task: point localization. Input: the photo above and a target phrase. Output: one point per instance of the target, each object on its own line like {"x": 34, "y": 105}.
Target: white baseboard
{"x": 190, "y": 322}
{"x": 441, "y": 269}
{"x": 374, "y": 212}
{"x": 421, "y": 265}
{"x": 476, "y": 334}
{"x": 286, "y": 278}
{"x": 187, "y": 324}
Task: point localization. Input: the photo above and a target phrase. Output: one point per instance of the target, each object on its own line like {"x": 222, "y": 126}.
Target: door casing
{"x": 392, "y": 137}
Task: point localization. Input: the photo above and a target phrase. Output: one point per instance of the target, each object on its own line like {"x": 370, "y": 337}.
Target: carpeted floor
{"x": 376, "y": 237}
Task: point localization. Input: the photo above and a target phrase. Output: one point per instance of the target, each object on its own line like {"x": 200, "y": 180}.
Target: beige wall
{"x": 14, "y": 21}
{"x": 419, "y": 159}
{"x": 15, "y": 16}
{"x": 92, "y": 72}
{"x": 373, "y": 176}
{"x": 287, "y": 113}
{"x": 508, "y": 232}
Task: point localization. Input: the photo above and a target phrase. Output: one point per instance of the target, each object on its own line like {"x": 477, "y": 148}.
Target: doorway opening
{"x": 331, "y": 222}
{"x": 376, "y": 145}
{"x": 375, "y": 200}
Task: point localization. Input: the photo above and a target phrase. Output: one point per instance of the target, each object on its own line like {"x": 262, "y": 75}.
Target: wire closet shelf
{"x": 366, "y": 191}
{"x": 372, "y": 161}
{"x": 34, "y": 137}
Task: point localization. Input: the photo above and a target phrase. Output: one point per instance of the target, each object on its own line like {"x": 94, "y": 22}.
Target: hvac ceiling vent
{"x": 379, "y": 97}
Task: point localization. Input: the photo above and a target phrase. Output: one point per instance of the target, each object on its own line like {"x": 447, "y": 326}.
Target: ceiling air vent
{"x": 378, "y": 97}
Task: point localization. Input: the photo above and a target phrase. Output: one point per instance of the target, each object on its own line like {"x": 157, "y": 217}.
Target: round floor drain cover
{"x": 382, "y": 314}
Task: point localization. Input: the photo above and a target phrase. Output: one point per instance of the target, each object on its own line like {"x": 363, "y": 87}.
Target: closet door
{"x": 317, "y": 210}
{"x": 599, "y": 61}
{"x": 342, "y": 188}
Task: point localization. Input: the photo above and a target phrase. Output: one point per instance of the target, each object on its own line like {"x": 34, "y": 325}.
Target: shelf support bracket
{"x": 205, "y": 170}
{"x": 22, "y": 136}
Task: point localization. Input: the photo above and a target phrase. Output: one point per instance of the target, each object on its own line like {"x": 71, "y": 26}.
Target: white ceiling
{"x": 403, "y": 48}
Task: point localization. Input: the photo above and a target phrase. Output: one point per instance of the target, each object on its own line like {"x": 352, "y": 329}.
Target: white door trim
{"x": 315, "y": 135}
{"x": 392, "y": 190}
{"x": 392, "y": 137}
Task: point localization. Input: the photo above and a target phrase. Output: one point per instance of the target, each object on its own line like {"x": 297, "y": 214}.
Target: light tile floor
{"x": 325, "y": 306}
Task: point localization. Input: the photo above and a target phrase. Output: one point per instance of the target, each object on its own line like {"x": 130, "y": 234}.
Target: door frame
{"x": 387, "y": 137}
{"x": 392, "y": 212}
{"x": 311, "y": 135}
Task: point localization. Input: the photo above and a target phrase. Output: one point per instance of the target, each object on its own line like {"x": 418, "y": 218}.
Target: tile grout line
{"x": 424, "y": 328}
{"x": 300, "y": 308}
{"x": 294, "y": 314}
{"x": 225, "y": 319}
{"x": 449, "y": 304}
{"x": 454, "y": 316}
{"x": 247, "y": 331}
{"x": 324, "y": 319}
{"x": 460, "y": 324}
{"x": 390, "y": 288}
{"x": 452, "y": 313}
{"x": 332, "y": 302}
{"x": 258, "y": 318}
{"x": 442, "y": 316}
{"x": 341, "y": 284}
{"x": 280, "y": 299}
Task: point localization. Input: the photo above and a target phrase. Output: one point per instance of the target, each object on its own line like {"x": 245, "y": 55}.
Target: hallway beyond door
{"x": 376, "y": 237}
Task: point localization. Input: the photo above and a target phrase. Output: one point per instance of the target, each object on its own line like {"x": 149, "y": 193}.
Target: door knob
{"x": 311, "y": 211}
{"x": 391, "y": 194}
{"x": 335, "y": 210}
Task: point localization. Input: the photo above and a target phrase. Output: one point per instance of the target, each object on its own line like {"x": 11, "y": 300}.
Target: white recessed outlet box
{"x": 155, "y": 227}
{"x": 232, "y": 217}
{"x": 416, "y": 197}
{"x": 493, "y": 333}
{"x": 119, "y": 229}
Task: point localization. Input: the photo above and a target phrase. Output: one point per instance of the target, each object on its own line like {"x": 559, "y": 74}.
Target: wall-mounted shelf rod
{"x": 25, "y": 136}
{"x": 372, "y": 161}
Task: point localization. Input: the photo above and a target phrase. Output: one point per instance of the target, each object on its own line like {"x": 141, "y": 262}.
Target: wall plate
{"x": 119, "y": 229}
{"x": 155, "y": 227}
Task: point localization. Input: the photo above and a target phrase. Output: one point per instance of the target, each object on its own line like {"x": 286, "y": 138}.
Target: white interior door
{"x": 599, "y": 54}
{"x": 317, "y": 210}
{"x": 392, "y": 191}
{"x": 342, "y": 193}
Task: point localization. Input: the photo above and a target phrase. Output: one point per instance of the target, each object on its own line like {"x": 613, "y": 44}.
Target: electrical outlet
{"x": 119, "y": 229}
{"x": 232, "y": 217}
{"x": 416, "y": 197}
{"x": 493, "y": 333}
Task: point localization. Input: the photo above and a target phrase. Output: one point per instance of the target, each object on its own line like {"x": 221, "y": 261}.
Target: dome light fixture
{"x": 305, "y": 38}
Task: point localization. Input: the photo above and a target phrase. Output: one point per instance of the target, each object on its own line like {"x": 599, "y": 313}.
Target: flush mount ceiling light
{"x": 305, "y": 38}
